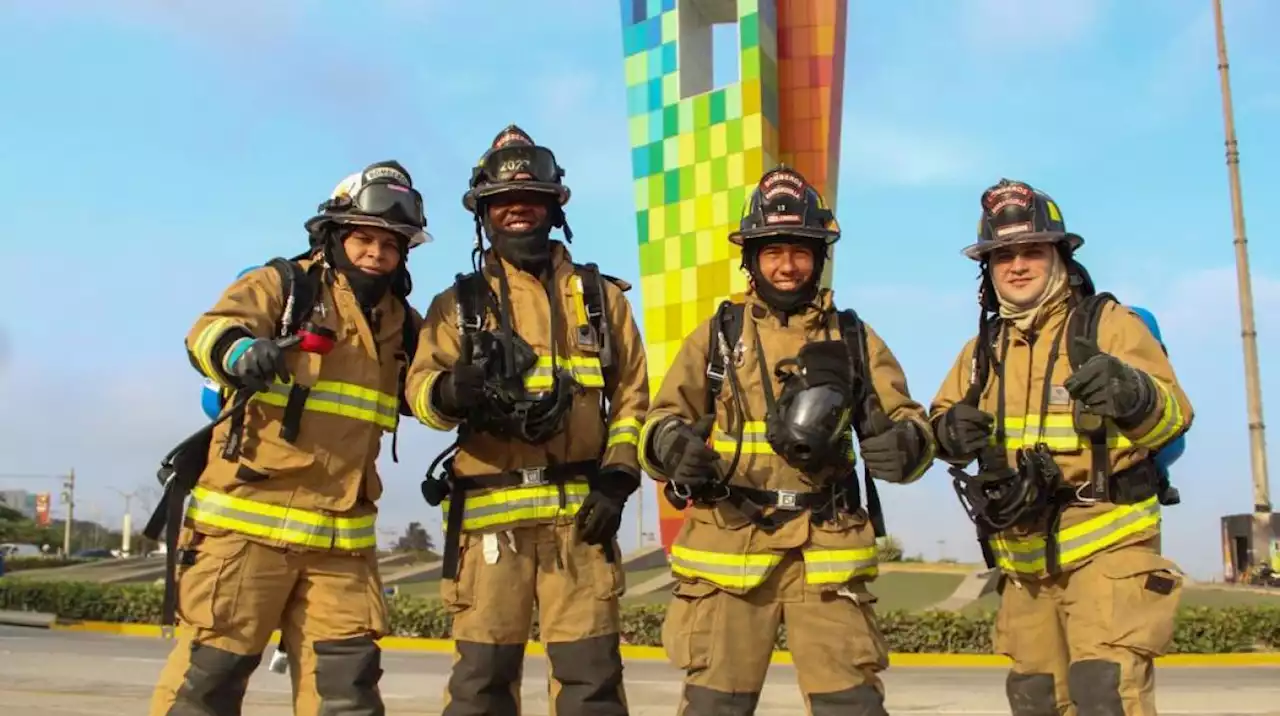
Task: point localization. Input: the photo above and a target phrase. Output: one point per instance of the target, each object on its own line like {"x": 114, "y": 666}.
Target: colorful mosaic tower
{"x": 697, "y": 151}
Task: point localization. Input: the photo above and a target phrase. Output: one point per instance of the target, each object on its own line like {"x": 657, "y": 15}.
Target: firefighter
{"x": 280, "y": 529}
{"x": 538, "y": 364}
{"x": 1062, "y": 400}
{"x": 776, "y": 529}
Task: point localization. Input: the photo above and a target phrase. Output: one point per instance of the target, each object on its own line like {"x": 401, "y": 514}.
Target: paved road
{"x": 52, "y": 673}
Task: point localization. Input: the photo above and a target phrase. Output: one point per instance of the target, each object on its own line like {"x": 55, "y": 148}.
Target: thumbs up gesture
{"x": 1107, "y": 386}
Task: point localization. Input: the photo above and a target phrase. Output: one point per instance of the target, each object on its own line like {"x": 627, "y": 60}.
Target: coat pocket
{"x": 1145, "y": 590}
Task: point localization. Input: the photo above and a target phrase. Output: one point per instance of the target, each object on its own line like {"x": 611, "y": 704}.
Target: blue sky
{"x": 154, "y": 149}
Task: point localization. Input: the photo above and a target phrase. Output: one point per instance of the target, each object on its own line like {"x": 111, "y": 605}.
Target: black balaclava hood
{"x": 529, "y": 251}
{"x": 368, "y": 289}
{"x": 791, "y": 302}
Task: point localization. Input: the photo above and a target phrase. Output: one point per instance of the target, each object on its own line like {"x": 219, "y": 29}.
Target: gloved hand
{"x": 963, "y": 430}
{"x": 601, "y": 514}
{"x": 256, "y": 363}
{"x": 461, "y": 389}
{"x": 683, "y": 450}
{"x": 895, "y": 448}
{"x": 826, "y": 363}
{"x": 1109, "y": 387}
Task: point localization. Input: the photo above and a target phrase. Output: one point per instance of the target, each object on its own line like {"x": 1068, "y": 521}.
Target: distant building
{"x": 20, "y": 500}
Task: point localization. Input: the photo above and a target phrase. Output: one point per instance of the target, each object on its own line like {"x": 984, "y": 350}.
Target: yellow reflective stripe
{"x": 587, "y": 371}
{"x": 1059, "y": 433}
{"x": 425, "y": 411}
{"x": 344, "y": 399}
{"x": 1170, "y": 422}
{"x": 202, "y": 347}
{"x": 281, "y": 524}
{"x": 624, "y": 431}
{"x": 837, "y": 566}
{"x": 927, "y": 461}
{"x": 516, "y": 504}
{"x": 754, "y": 441}
{"x": 732, "y": 571}
{"x": 643, "y": 452}
{"x": 579, "y": 302}
{"x": 1026, "y": 555}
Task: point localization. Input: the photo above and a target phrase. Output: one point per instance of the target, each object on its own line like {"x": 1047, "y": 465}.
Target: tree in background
{"x": 889, "y": 549}
{"x": 415, "y": 539}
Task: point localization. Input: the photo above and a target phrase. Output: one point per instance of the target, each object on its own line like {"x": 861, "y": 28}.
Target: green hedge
{"x": 26, "y": 564}
{"x": 1200, "y": 630}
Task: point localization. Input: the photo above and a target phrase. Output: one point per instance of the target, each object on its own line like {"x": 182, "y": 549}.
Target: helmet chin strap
{"x": 785, "y": 302}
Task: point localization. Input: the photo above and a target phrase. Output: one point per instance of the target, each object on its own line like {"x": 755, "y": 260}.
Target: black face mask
{"x": 795, "y": 300}
{"x": 368, "y": 289}
{"x": 528, "y": 251}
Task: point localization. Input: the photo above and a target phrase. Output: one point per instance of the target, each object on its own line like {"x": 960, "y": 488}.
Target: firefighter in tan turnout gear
{"x": 777, "y": 532}
{"x": 1062, "y": 399}
{"x": 279, "y": 531}
{"x": 539, "y": 365}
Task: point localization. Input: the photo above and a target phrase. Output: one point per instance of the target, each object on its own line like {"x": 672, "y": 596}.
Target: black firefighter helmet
{"x": 515, "y": 163}
{"x": 1014, "y": 212}
{"x": 784, "y": 204}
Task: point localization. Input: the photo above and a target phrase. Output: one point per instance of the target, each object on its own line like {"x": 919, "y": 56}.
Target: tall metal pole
{"x": 1262, "y": 534}
{"x": 69, "y": 494}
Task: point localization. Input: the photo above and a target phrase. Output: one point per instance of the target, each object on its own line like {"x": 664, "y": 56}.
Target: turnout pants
{"x": 235, "y": 593}
{"x": 1083, "y": 642}
{"x": 501, "y": 577}
{"x": 724, "y": 643}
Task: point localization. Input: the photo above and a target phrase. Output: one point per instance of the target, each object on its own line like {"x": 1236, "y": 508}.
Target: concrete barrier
{"x": 42, "y": 620}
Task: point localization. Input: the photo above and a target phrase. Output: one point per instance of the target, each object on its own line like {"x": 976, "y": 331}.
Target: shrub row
{"x": 24, "y": 564}
{"x": 1200, "y": 630}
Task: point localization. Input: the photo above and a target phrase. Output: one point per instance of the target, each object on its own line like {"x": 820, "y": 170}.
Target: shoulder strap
{"x": 409, "y": 332}
{"x": 300, "y": 291}
{"x": 728, "y": 319}
{"x": 855, "y": 336}
{"x": 597, "y": 307}
{"x": 854, "y": 333}
{"x": 1083, "y": 323}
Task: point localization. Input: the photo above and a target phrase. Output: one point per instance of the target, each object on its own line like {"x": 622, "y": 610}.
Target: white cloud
{"x": 1002, "y": 26}
{"x": 880, "y": 153}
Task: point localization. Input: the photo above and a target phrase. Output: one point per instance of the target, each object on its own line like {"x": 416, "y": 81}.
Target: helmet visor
{"x": 392, "y": 202}
{"x": 520, "y": 163}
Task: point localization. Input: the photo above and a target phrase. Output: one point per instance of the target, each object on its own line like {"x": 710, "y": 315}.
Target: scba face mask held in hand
{"x": 510, "y": 409}
{"x": 810, "y": 421}
{"x": 1000, "y": 496}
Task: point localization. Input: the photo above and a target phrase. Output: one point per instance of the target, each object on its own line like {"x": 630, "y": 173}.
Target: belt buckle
{"x": 532, "y": 476}
{"x": 788, "y": 500}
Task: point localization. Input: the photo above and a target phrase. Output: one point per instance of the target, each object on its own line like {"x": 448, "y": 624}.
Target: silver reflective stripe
{"x": 360, "y": 404}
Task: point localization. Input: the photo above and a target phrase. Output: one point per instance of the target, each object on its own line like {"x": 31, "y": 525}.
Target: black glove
{"x": 259, "y": 364}
{"x": 683, "y": 451}
{"x": 895, "y": 447}
{"x": 601, "y": 514}
{"x": 963, "y": 431}
{"x": 826, "y": 363}
{"x": 1109, "y": 387}
{"x": 462, "y": 388}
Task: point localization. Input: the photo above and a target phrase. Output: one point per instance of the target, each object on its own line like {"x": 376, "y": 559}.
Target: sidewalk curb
{"x": 657, "y": 653}
{"x": 42, "y": 620}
